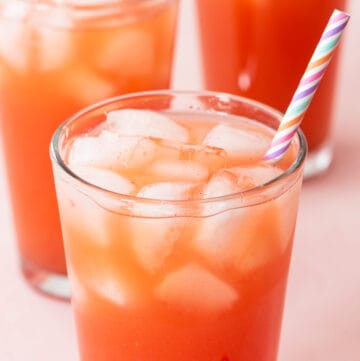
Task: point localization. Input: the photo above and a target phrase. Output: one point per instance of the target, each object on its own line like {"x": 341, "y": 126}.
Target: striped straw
{"x": 307, "y": 86}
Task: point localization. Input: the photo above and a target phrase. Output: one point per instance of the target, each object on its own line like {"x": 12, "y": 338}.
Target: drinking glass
{"x": 158, "y": 279}
{"x": 260, "y": 49}
{"x": 57, "y": 57}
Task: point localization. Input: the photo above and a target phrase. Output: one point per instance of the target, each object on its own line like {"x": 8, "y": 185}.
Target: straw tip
{"x": 338, "y": 12}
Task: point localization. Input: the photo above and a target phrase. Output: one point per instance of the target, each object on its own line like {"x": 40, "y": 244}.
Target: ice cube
{"x": 222, "y": 183}
{"x": 153, "y": 240}
{"x": 166, "y": 191}
{"x": 13, "y": 44}
{"x": 178, "y": 170}
{"x": 216, "y": 235}
{"x": 210, "y": 157}
{"x": 256, "y": 175}
{"x": 105, "y": 179}
{"x": 55, "y": 48}
{"x": 262, "y": 239}
{"x": 112, "y": 151}
{"x": 194, "y": 289}
{"x": 129, "y": 53}
{"x": 83, "y": 2}
{"x": 156, "y": 228}
{"x": 29, "y": 44}
{"x": 79, "y": 294}
{"x": 239, "y": 144}
{"x": 18, "y": 10}
{"x": 86, "y": 86}
{"x": 111, "y": 289}
{"x": 146, "y": 124}
{"x": 82, "y": 214}
{"x": 287, "y": 209}
{"x": 104, "y": 282}
{"x": 89, "y": 151}
{"x": 243, "y": 239}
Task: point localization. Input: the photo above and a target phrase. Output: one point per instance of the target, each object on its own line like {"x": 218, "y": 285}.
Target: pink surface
{"x": 322, "y": 315}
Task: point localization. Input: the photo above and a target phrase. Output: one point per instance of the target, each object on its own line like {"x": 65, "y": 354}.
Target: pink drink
{"x": 260, "y": 49}
{"x": 178, "y": 238}
{"x": 56, "y": 58}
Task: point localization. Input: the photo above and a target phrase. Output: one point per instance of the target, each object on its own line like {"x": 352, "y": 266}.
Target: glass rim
{"x": 243, "y": 194}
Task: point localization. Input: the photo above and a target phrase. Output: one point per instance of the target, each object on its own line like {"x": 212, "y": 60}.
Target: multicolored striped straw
{"x": 307, "y": 86}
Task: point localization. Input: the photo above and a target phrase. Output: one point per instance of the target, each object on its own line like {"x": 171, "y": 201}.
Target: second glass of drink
{"x": 55, "y": 58}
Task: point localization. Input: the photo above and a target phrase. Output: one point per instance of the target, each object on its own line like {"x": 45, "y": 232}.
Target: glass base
{"x": 318, "y": 161}
{"x": 53, "y": 285}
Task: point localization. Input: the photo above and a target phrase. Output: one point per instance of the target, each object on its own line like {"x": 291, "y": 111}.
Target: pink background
{"x": 322, "y": 315}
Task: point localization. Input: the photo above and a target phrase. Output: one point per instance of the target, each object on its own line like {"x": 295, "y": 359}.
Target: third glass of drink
{"x": 177, "y": 235}
{"x": 260, "y": 49}
{"x": 57, "y": 57}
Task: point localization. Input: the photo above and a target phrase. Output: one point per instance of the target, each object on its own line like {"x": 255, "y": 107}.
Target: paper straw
{"x": 307, "y": 86}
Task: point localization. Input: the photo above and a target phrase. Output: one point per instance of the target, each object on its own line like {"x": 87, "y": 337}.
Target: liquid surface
{"x": 143, "y": 148}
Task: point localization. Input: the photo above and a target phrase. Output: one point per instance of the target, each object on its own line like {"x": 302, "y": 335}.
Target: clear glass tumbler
{"x": 57, "y": 57}
{"x": 260, "y": 50}
{"x": 155, "y": 279}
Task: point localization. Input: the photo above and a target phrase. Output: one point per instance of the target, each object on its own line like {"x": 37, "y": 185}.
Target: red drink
{"x": 54, "y": 60}
{"x": 260, "y": 49}
{"x": 178, "y": 238}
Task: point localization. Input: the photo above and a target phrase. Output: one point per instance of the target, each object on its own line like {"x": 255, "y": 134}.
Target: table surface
{"x": 322, "y": 314}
